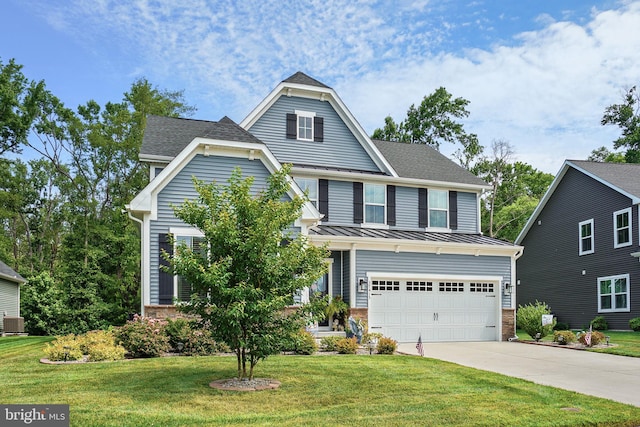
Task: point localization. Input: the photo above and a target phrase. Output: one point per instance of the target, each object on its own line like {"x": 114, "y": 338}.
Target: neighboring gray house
{"x": 402, "y": 221}
{"x": 581, "y": 243}
{"x": 10, "y": 282}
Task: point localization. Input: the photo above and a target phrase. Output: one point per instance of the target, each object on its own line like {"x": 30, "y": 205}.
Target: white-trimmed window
{"x": 375, "y": 199}
{"x": 622, "y": 228}
{"x": 310, "y": 186}
{"x": 585, "y": 229}
{"x": 305, "y": 125}
{"x": 438, "y": 208}
{"x": 613, "y": 293}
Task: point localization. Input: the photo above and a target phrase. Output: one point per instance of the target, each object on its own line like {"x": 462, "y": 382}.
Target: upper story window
{"x": 374, "y": 203}
{"x": 309, "y": 186}
{"x": 438, "y": 208}
{"x": 305, "y": 126}
{"x": 622, "y": 228}
{"x": 586, "y": 237}
{"x": 613, "y": 293}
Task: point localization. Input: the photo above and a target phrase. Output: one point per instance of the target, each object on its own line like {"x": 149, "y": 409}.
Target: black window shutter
{"x": 358, "y": 203}
{"x": 453, "y": 210}
{"x": 165, "y": 280}
{"x": 323, "y": 198}
{"x": 318, "y": 129}
{"x": 423, "y": 208}
{"x": 391, "y": 205}
{"x": 292, "y": 126}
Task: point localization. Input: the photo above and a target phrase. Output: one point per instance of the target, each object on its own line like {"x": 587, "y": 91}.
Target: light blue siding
{"x": 340, "y": 203}
{"x": 427, "y": 263}
{"x": 467, "y": 213}
{"x": 181, "y": 188}
{"x": 406, "y": 208}
{"x": 339, "y": 149}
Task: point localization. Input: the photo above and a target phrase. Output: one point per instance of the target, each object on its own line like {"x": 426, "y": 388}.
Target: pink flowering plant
{"x": 143, "y": 337}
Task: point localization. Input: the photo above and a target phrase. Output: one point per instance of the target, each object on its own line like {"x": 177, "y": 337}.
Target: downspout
{"x": 142, "y": 275}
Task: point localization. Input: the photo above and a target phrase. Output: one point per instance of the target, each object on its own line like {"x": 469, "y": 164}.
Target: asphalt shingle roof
{"x": 625, "y": 176}
{"x": 424, "y": 236}
{"x": 421, "y": 161}
{"x": 303, "y": 79}
{"x": 168, "y": 136}
{"x": 8, "y": 273}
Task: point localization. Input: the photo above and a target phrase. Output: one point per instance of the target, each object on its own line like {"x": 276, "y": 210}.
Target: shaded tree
{"x": 248, "y": 275}
{"x": 626, "y": 116}
{"x": 603, "y": 154}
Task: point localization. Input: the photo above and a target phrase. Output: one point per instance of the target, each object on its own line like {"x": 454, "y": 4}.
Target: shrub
{"x": 105, "y": 351}
{"x": 143, "y": 337}
{"x": 635, "y": 324}
{"x": 568, "y": 336}
{"x": 529, "y": 319}
{"x": 330, "y": 343}
{"x": 66, "y": 347}
{"x": 196, "y": 340}
{"x": 93, "y": 338}
{"x": 599, "y": 323}
{"x": 347, "y": 345}
{"x": 561, "y": 326}
{"x": 304, "y": 343}
{"x": 386, "y": 346}
{"x": 596, "y": 338}
{"x": 370, "y": 336}
{"x": 178, "y": 330}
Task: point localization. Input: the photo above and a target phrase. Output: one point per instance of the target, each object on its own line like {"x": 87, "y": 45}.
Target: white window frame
{"x": 307, "y": 115}
{"x": 303, "y": 183}
{"x": 181, "y": 232}
{"x": 616, "y": 243}
{"x": 613, "y": 294}
{"x": 431, "y": 208}
{"x": 365, "y": 204}
{"x": 581, "y": 238}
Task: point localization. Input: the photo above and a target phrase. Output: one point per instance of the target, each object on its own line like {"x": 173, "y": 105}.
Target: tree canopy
{"x": 626, "y": 116}
{"x": 252, "y": 266}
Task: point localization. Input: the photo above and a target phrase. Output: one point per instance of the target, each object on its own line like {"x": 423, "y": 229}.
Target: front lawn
{"x": 624, "y": 343}
{"x": 316, "y": 390}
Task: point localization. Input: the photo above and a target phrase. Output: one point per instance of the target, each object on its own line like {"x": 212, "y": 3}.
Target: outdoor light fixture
{"x": 607, "y": 338}
{"x": 538, "y": 336}
{"x": 373, "y": 343}
{"x": 180, "y": 346}
{"x": 362, "y": 284}
{"x": 561, "y": 340}
{"x": 508, "y": 288}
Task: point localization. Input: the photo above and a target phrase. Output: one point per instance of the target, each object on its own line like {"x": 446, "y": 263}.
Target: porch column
{"x": 354, "y": 276}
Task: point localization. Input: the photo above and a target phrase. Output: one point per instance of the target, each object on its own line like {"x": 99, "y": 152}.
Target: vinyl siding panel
{"x": 419, "y": 263}
{"x": 467, "y": 213}
{"x": 340, "y": 203}
{"x": 406, "y": 208}
{"x": 338, "y": 149}
{"x": 9, "y": 300}
{"x": 550, "y": 269}
{"x": 181, "y": 188}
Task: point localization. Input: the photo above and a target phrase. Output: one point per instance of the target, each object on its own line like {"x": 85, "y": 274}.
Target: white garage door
{"x": 437, "y": 310}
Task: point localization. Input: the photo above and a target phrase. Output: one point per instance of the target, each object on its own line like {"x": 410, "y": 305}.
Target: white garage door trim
{"x": 437, "y": 316}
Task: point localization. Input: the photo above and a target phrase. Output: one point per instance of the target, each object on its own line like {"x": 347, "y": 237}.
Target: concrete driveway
{"x": 602, "y": 375}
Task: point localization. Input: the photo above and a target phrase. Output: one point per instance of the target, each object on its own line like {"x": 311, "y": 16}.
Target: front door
{"x": 321, "y": 289}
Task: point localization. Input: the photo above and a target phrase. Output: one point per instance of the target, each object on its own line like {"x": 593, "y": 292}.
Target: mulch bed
{"x": 572, "y": 346}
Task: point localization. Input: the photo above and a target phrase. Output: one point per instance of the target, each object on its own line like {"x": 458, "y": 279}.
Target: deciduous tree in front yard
{"x": 252, "y": 267}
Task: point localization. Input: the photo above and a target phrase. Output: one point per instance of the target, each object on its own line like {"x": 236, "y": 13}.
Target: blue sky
{"x": 537, "y": 73}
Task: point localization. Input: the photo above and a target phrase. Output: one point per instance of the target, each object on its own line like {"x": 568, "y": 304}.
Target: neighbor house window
{"x": 374, "y": 203}
{"x": 613, "y": 293}
{"x": 438, "y": 208}
{"x": 183, "y": 288}
{"x": 309, "y": 186}
{"x": 586, "y": 237}
{"x": 622, "y": 228}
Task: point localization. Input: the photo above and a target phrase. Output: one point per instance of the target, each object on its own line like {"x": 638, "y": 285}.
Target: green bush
{"x": 67, "y": 347}
{"x": 196, "y": 340}
{"x": 143, "y": 337}
{"x": 347, "y": 345}
{"x": 596, "y": 338}
{"x": 105, "y": 351}
{"x": 635, "y": 324}
{"x": 386, "y": 346}
{"x": 599, "y": 323}
{"x": 330, "y": 343}
{"x": 178, "y": 330}
{"x": 370, "y": 336}
{"x": 529, "y": 319}
{"x": 93, "y": 338}
{"x": 304, "y": 343}
{"x": 561, "y": 326}
{"x": 568, "y": 336}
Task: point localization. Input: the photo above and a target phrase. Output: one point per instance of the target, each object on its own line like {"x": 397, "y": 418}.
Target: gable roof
{"x": 303, "y": 79}
{"x": 7, "y": 273}
{"x": 420, "y": 161}
{"x": 165, "y": 137}
{"x": 621, "y": 177}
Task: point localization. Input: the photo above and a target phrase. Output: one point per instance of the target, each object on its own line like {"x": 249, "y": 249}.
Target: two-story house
{"x": 581, "y": 243}
{"x": 402, "y": 221}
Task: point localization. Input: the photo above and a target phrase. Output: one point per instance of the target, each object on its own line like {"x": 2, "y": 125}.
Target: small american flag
{"x": 587, "y": 337}
{"x": 419, "y": 346}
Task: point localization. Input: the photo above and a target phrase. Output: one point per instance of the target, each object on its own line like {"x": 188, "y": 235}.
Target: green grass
{"x": 624, "y": 343}
{"x": 315, "y": 391}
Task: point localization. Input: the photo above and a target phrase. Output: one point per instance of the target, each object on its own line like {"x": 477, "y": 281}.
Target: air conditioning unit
{"x": 13, "y": 325}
